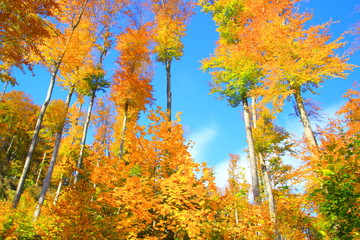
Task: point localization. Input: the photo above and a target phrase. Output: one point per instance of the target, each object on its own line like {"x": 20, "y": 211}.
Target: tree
{"x": 234, "y": 69}
{"x": 73, "y": 20}
{"x": 24, "y": 26}
{"x": 18, "y": 117}
{"x": 334, "y": 184}
{"x": 298, "y": 59}
{"x": 171, "y": 17}
{"x": 132, "y": 90}
{"x": 96, "y": 82}
{"x": 61, "y": 110}
{"x": 154, "y": 191}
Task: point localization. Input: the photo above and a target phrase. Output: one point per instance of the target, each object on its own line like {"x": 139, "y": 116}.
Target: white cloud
{"x": 202, "y": 141}
{"x": 329, "y": 111}
{"x": 221, "y": 171}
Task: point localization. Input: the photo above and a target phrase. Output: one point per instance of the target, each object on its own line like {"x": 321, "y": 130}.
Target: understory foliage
{"x": 119, "y": 167}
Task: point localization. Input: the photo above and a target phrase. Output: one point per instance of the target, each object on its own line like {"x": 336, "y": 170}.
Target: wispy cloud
{"x": 221, "y": 170}
{"x": 330, "y": 111}
{"x": 202, "y": 140}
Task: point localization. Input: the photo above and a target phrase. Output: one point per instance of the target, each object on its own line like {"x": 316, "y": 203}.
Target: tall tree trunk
{"x": 4, "y": 90}
{"x": 265, "y": 172}
{"x": 61, "y": 182}
{"x": 35, "y": 137}
{"x": 309, "y": 134}
{"x": 43, "y": 110}
{"x": 47, "y": 180}
{"x": 251, "y": 149}
{"x": 79, "y": 164}
{"x": 4, "y": 166}
{"x": 168, "y": 88}
{"x": 268, "y": 189}
{"x": 126, "y": 109}
{"x": 40, "y": 170}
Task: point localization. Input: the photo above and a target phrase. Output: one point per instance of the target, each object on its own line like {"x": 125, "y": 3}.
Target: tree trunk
{"x": 79, "y": 164}
{"x": 43, "y": 110}
{"x": 251, "y": 149}
{"x": 269, "y": 192}
{"x": 40, "y": 170}
{"x": 265, "y": 172}
{"x": 61, "y": 182}
{"x": 309, "y": 134}
{"x": 7, "y": 158}
{"x": 47, "y": 180}
{"x": 126, "y": 109}
{"x": 35, "y": 137}
{"x": 4, "y": 90}
{"x": 168, "y": 88}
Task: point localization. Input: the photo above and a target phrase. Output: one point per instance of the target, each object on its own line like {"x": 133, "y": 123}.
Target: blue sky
{"x": 217, "y": 129}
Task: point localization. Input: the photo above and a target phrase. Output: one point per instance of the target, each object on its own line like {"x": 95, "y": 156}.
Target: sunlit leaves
{"x": 23, "y": 27}
{"x": 171, "y": 17}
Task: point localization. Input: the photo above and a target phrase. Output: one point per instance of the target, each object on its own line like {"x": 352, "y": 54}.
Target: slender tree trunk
{"x": 40, "y": 170}
{"x": 61, "y": 182}
{"x": 43, "y": 110}
{"x": 268, "y": 188}
{"x": 309, "y": 134}
{"x": 10, "y": 146}
{"x": 266, "y": 177}
{"x": 5, "y": 166}
{"x": 168, "y": 88}
{"x": 79, "y": 164}
{"x": 35, "y": 138}
{"x": 251, "y": 149}
{"x": 47, "y": 180}
{"x": 121, "y": 154}
{"x": 4, "y": 90}
{"x": 264, "y": 170}
{"x": 236, "y": 214}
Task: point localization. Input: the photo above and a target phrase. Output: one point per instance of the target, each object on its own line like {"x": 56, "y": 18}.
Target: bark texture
{"x": 309, "y": 133}
{"x": 251, "y": 149}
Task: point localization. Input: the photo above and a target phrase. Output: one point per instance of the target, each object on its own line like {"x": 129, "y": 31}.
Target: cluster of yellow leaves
{"x": 153, "y": 188}
{"x": 14, "y": 223}
{"x": 170, "y": 25}
{"x": 23, "y": 27}
{"x": 132, "y": 90}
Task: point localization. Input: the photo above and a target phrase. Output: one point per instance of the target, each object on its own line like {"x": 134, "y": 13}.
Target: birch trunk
{"x": 251, "y": 149}
{"x": 47, "y": 180}
{"x": 79, "y": 164}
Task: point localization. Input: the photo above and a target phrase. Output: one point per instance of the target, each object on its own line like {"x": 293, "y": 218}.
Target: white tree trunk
{"x": 47, "y": 180}
{"x": 79, "y": 164}
{"x": 252, "y": 156}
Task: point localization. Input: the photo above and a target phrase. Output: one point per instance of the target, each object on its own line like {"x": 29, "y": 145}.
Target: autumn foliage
{"x": 135, "y": 177}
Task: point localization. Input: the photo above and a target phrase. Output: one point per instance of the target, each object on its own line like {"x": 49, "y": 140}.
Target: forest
{"x": 108, "y": 162}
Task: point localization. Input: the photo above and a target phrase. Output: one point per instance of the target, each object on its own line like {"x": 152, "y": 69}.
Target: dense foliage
{"x": 136, "y": 178}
